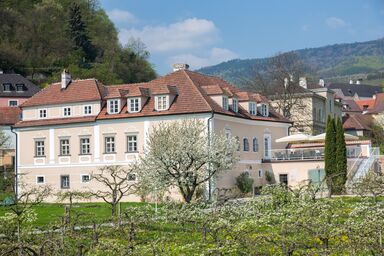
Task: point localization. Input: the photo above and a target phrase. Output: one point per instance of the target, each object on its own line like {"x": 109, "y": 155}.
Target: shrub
{"x": 244, "y": 182}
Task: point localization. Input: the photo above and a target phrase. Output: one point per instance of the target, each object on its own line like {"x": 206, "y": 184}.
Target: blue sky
{"x": 203, "y": 33}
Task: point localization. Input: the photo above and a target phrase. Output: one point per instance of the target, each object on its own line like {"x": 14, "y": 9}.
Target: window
{"x": 85, "y": 178}
{"x": 283, "y": 179}
{"x": 43, "y": 113}
{"x": 88, "y": 110}
{"x": 260, "y": 173}
{"x": 113, "y": 106}
{"x": 238, "y": 143}
{"x": 131, "y": 177}
{"x": 245, "y": 144}
{"x": 161, "y": 102}
{"x": 109, "y": 145}
{"x": 85, "y": 146}
{"x": 40, "y": 180}
{"x": 131, "y": 143}
{"x": 64, "y": 181}
{"x": 39, "y": 148}
{"x": 252, "y": 108}
{"x": 12, "y": 103}
{"x": 7, "y": 87}
{"x": 19, "y": 87}
{"x": 134, "y": 105}
{"x": 64, "y": 147}
{"x": 267, "y": 146}
{"x": 67, "y": 111}
{"x": 235, "y": 106}
{"x": 264, "y": 109}
{"x": 255, "y": 145}
{"x": 225, "y": 102}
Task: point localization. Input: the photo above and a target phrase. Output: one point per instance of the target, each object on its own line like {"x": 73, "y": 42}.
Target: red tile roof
{"x": 190, "y": 90}
{"x": 67, "y": 120}
{"x": 76, "y": 91}
{"x": 357, "y": 122}
{"x": 366, "y": 104}
{"x": 9, "y": 115}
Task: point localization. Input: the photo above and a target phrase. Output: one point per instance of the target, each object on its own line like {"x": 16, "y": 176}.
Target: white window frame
{"x": 225, "y": 103}
{"x": 267, "y": 150}
{"x": 264, "y": 109}
{"x": 86, "y": 108}
{"x": 134, "y": 143}
{"x": 245, "y": 144}
{"x": 17, "y": 87}
{"x": 37, "y": 147}
{"x": 65, "y": 149}
{"x": 9, "y": 103}
{"x": 69, "y": 181}
{"x": 162, "y": 104}
{"x": 135, "y": 174}
{"x": 235, "y": 105}
{"x": 9, "y": 87}
{"x": 255, "y": 146}
{"x": 83, "y": 175}
{"x": 37, "y": 179}
{"x": 40, "y": 111}
{"x": 113, "y": 106}
{"x": 87, "y": 144}
{"x": 67, "y": 111}
{"x": 252, "y": 108}
{"x": 109, "y": 145}
{"x": 132, "y": 105}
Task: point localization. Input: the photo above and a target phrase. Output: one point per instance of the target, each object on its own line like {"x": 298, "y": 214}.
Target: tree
{"x": 4, "y": 139}
{"x": 279, "y": 79}
{"x": 116, "y": 184}
{"x": 330, "y": 154}
{"x": 244, "y": 182}
{"x": 341, "y": 158}
{"x": 184, "y": 155}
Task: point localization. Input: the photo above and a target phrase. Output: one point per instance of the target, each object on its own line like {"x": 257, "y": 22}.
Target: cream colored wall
{"x": 218, "y": 99}
{"x": 56, "y": 111}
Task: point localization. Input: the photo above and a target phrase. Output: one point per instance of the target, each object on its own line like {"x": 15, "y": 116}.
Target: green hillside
{"x": 337, "y": 62}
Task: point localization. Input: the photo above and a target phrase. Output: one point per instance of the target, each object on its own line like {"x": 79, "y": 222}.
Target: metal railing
{"x": 296, "y": 154}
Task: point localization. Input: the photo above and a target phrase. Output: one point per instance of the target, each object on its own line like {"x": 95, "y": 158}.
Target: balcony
{"x": 306, "y": 154}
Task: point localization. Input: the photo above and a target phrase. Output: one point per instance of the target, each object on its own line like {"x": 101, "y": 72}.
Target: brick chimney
{"x": 65, "y": 79}
{"x": 180, "y": 66}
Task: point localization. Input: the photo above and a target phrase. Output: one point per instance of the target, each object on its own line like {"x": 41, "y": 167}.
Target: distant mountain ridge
{"x": 338, "y": 61}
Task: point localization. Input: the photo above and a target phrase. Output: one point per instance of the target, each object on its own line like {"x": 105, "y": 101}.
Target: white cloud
{"x": 187, "y": 34}
{"x": 334, "y": 22}
{"x": 214, "y": 56}
{"x": 121, "y": 16}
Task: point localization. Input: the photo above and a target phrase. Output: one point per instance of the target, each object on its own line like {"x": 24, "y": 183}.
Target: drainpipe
{"x": 15, "y": 165}
{"x": 209, "y": 164}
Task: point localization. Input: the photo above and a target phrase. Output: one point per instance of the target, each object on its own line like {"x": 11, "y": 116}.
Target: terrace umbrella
{"x": 321, "y": 137}
{"x": 299, "y": 137}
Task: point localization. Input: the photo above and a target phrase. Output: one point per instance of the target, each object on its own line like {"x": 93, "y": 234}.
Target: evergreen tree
{"x": 78, "y": 31}
{"x": 330, "y": 154}
{"x": 341, "y": 158}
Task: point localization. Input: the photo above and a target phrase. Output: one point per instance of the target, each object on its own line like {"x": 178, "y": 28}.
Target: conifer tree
{"x": 330, "y": 154}
{"x": 341, "y": 158}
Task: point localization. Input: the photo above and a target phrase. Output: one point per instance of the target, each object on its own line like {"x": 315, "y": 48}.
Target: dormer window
{"x": 87, "y": 110}
{"x": 264, "y": 110}
{"x": 67, "y": 111}
{"x": 7, "y": 87}
{"x": 161, "y": 102}
{"x": 235, "y": 105}
{"x": 252, "y": 108}
{"x": 225, "y": 102}
{"x": 113, "y": 106}
{"x": 134, "y": 105}
{"x": 42, "y": 113}
{"x": 19, "y": 87}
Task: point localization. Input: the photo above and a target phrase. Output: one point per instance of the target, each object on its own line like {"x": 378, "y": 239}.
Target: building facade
{"x": 72, "y": 128}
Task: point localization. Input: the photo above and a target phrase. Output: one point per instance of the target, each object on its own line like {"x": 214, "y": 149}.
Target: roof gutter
{"x": 16, "y": 188}
{"x": 209, "y": 123}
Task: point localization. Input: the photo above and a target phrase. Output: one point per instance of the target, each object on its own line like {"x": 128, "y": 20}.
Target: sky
{"x": 204, "y": 33}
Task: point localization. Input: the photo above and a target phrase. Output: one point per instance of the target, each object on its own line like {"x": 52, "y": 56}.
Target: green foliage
{"x": 330, "y": 154}
{"x": 341, "y": 158}
{"x": 40, "y": 38}
{"x": 244, "y": 183}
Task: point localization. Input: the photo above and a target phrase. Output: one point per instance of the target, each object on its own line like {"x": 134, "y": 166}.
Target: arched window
{"x": 245, "y": 144}
{"x": 255, "y": 145}
{"x": 238, "y": 143}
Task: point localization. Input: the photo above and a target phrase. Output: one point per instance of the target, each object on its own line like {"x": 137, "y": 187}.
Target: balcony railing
{"x": 296, "y": 154}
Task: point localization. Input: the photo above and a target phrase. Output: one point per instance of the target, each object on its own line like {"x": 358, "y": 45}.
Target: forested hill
{"x": 39, "y": 38}
{"x": 339, "y": 62}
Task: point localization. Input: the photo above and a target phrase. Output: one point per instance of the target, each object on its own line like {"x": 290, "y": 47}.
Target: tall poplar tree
{"x": 330, "y": 154}
{"x": 341, "y": 158}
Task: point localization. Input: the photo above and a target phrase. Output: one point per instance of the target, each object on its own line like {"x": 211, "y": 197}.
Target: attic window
{"x": 235, "y": 106}
{"x": 134, "y": 105}
{"x": 252, "y": 108}
{"x": 19, "y": 87}
{"x": 113, "y": 106}
{"x": 161, "y": 102}
{"x": 225, "y": 102}
{"x": 264, "y": 110}
{"x": 7, "y": 87}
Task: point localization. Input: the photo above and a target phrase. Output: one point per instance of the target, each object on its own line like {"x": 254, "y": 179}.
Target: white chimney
{"x": 303, "y": 82}
{"x": 350, "y": 81}
{"x": 65, "y": 79}
{"x": 321, "y": 82}
{"x": 180, "y": 66}
{"x": 357, "y": 81}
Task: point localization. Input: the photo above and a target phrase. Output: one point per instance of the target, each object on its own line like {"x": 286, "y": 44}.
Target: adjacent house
{"x": 73, "y": 127}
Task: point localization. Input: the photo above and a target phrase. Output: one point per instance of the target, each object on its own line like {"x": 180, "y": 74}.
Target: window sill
{"x": 63, "y": 155}
{"x": 85, "y": 154}
{"x": 132, "y": 152}
{"x": 65, "y": 188}
{"x": 40, "y": 156}
{"x": 109, "y": 153}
